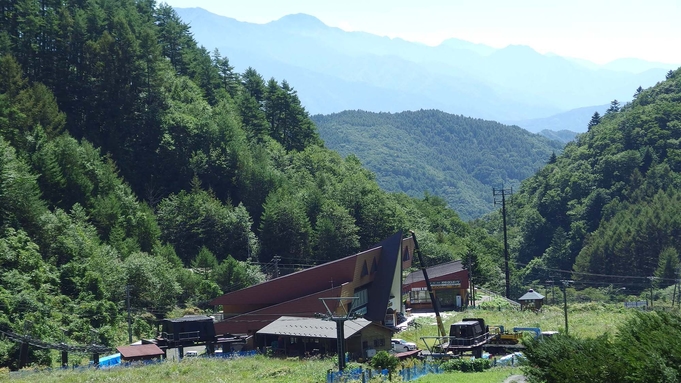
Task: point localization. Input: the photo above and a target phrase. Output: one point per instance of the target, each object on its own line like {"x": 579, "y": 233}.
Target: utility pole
{"x": 127, "y": 300}
{"x": 502, "y": 192}
{"x": 565, "y": 284}
{"x": 674, "y": 294}
{"x": 651, "y": 290}
{"x": 23, "y": 349}
{"x": 276, "y": 260}
{"x": 553, "y": 293}
{"x": 470, "y": 277}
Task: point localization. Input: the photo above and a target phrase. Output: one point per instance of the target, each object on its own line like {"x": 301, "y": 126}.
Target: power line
{"x": 590, "y": 274}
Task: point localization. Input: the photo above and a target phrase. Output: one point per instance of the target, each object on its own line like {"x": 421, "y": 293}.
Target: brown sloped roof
{"x": 306, "y": 306}
{"x": 298, "y": 293}
{"x": 434, "y": 272}
{"x": 293, "y": 285}
{"x": 139, "y": 351}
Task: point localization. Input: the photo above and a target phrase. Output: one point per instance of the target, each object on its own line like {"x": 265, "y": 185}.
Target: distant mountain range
{"x": 575, "y": 120}
{"x": 334, "y": 70}
{"x": 457, "y": 158}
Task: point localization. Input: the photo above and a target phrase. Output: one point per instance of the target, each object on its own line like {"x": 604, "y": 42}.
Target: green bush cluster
{"x": 466, "y": 365}
{"x": 647, "y": 348}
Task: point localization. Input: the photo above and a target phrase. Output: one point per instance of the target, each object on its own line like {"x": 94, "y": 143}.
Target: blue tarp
{"x": 110, "y": 361}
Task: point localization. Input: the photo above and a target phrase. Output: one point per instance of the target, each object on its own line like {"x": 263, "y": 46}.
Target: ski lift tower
{"x": 340, "y": 315}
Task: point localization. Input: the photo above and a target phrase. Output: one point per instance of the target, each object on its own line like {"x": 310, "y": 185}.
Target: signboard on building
{"x": 446, "y": 284}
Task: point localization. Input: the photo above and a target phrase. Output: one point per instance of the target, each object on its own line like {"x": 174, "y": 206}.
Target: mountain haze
{"x": 392, "y": 75}
{"x": 575, "y": 120}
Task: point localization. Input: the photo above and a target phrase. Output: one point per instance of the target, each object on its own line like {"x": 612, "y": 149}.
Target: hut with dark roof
{"x": 532, "y": 300}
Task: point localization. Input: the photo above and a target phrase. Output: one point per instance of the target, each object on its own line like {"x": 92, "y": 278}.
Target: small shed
{"x": 139, "y": 352}
{"x": 532, "y": 300}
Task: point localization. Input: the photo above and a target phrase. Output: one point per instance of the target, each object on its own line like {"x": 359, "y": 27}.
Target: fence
{"x": 364, "y": 375}
{"x": 492, "y": 294}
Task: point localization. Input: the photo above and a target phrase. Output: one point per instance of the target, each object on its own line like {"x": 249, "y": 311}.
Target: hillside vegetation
{"x": 457, "y": 158}
{"x": 133, "y": 159}
{"x": 606, "y": 211}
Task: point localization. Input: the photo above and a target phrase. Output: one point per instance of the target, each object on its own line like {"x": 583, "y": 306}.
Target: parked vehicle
{"x": 401, "y": 345}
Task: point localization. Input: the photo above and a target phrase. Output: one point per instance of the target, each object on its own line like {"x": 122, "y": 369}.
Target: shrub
{"x": 466, "y": 365}
{"x": 384, "y": 361}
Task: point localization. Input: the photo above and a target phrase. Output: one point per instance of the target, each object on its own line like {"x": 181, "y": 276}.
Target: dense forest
{"x": 607, "y": 211}
{"x": 457, "y": 158}
{"x": 133, "y": 159}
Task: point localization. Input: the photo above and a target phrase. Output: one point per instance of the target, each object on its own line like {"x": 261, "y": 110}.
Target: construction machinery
{"x": 468, "y": 335}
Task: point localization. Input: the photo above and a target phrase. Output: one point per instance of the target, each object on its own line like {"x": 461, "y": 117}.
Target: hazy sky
{"x": 597, "y": 30}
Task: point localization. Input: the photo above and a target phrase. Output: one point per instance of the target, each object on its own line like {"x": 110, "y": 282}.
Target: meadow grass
{"x": 494, "y": 375}
{"x": 585, "y": 320}
{"x": 258, "y": 369}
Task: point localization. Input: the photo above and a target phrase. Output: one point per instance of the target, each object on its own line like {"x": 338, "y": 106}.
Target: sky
{"x": 596, "y": 30}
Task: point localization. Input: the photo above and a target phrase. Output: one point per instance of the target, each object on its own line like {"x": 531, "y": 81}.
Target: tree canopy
{"x": 132, "y": 159}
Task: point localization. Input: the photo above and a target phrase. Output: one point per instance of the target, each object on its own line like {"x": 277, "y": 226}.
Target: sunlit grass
{"x": 494, "y": 375}
{"x": 258, "y": 369}
{"x": 585, "y": 320}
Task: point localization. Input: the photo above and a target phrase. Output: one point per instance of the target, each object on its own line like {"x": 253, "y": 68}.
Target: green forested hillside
{"x": 610, "y": 204}
{"x": 131, "y": 158}
{"x": 457, "y": 158}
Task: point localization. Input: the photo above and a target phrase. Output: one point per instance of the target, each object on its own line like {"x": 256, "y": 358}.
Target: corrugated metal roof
{"x": 531, "y": 295}
{"x": 312, "y": 327}
{"x": 143, "y": 350}
{"x": 435, "y": 271}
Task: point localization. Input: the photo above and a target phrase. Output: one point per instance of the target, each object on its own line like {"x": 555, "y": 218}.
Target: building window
{"x": 419, "y": 296}
{"x": 379, "y": 342}
{"x": 363, "y": 298}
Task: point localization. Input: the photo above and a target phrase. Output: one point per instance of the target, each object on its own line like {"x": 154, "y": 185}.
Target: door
{"x": 458, "y": 301}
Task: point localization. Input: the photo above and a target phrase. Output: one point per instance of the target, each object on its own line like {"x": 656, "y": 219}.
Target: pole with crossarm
{"x": 340, "y": 325}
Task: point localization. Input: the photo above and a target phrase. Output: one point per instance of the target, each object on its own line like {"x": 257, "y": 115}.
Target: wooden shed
{"x": 139, "y": 352}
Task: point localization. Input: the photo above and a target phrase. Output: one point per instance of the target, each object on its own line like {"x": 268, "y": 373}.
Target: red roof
{"x": 292, "y": 286}
{"x": 306, "y": 306}
{"x": 139, "y": 351}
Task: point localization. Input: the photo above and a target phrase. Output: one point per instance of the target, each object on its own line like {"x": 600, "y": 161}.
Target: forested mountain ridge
{"x": 610, "y": 203}
{"x": 131, "y": 156}
{"x": 457, "y": 158}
